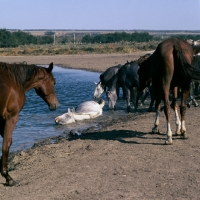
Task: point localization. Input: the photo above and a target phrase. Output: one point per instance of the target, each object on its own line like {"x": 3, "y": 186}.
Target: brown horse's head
{"x": 45, "y": 87}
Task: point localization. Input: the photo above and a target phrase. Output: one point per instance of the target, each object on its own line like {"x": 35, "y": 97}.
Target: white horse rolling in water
{"x": 85, "y": 110}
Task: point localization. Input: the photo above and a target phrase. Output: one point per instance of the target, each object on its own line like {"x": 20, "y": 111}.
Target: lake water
{"x": 36, "y": 121}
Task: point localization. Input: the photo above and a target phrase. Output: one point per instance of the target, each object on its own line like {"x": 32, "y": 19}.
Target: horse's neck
{"x": 114, "y": 82}
{"x": 32, "y": 82}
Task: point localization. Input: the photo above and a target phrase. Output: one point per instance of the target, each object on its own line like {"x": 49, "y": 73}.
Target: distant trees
{"x": 117, "y": 37}
{"x": 132, "y": 37}
{"x": 189, "y": 36}
{"x": 14, "y": 39}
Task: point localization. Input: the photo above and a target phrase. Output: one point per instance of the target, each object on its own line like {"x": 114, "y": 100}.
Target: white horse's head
{"x": 66, "y": 118}
{"x": 98, "y": 90}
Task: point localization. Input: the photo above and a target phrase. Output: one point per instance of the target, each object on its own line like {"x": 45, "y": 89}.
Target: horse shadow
{"x": 123, "y": 136}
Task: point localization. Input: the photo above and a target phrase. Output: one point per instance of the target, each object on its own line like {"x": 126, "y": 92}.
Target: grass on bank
{"x": 70, "y": 48}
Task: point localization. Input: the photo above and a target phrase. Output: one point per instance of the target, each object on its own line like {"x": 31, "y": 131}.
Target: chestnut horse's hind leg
{"x": 167, "y": 115}
{"x": 183, "y": 112}
{"x": 174, "y": 106}
{"x": 7, "y": 141}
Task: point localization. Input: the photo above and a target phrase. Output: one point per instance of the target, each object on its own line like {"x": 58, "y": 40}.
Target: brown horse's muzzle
{"x": 54, "y": 106}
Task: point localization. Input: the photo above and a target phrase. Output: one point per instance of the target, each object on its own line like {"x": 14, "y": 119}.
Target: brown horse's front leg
{"x": 7, "y": 141}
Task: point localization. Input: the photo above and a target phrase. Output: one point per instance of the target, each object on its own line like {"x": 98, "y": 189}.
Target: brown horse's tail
{"x": 187, "y": 70}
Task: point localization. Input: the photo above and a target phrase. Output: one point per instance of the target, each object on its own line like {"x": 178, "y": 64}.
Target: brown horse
{"x": 169, "y": 67}
{"x": 15, "y": 80}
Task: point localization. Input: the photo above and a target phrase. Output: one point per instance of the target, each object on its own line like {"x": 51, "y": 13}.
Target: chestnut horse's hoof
{"x": 168, "y": 142}
{"x": 11, "y": 183}
{"x": 183, "y": 135}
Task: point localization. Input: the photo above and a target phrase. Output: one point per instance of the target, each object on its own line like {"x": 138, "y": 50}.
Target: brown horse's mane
{"x": 21, "y": 72}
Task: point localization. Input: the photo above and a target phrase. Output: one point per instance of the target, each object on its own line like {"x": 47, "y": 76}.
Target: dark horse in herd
{"x": 169, "y": 67}
{"x": 15, "y": 80}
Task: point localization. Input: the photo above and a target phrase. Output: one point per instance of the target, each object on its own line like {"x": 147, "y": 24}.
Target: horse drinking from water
{"x": 105, "y": 80}
{"x": 126, "y": 77}
{"x": 170, "y": 67}
{"x": 15, "y": 80}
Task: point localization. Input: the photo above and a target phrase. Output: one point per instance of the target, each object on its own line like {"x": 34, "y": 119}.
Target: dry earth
{"x": 123, "y": 160}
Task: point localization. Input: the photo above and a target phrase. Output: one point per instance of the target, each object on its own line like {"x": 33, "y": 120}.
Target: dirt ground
{"x": 122, "y": 160}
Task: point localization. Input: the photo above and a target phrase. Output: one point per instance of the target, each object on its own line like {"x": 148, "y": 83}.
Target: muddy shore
{"x": 122, "y": 160}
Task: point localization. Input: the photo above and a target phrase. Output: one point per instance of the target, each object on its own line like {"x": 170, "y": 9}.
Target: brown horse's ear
{"x": 50, "y": 67}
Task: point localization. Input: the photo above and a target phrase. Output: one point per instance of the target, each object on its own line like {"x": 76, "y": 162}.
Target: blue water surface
{"x": 36, "y": 121}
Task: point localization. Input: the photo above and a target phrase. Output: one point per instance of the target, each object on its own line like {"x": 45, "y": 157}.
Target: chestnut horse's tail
{"x": 188, "y": 71}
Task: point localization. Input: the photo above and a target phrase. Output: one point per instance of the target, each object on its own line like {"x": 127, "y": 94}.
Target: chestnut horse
{"x": 169, "y": 67}
{"x": 15, "y": 80}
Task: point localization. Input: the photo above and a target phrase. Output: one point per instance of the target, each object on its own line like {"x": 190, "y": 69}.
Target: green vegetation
{"x": 14, "y": 39}
{"x": 118, "y": 37}
{"x": 82, "y": 42}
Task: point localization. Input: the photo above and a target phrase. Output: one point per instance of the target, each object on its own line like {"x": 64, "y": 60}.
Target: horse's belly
{"x": 81, "y": 117}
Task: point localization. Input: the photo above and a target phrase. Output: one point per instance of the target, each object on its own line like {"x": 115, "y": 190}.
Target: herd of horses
{"x": 171, "y": 68}
{"x": 168, "y": 68}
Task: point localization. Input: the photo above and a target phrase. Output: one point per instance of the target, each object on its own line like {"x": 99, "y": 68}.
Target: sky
{"x": 100, "y": 14}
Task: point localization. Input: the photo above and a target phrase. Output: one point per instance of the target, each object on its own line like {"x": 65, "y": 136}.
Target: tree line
{"x": 14, "y": 39}
{"x": 118, "y": 37}
{"x": 17, "y": 38}
{"x": 132, "y": 37}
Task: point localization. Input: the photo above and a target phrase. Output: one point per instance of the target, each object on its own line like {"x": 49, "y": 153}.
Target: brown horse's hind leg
{"x": 183, "y": 112}
{"x": 167, "y": 115}
{"x": 174, "y": 106}
{"x": 7, "y": 141}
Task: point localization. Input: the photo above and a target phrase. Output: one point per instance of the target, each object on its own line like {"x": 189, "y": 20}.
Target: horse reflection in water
{"x": 169, "y": 67}
{"x": 15, "y": 80}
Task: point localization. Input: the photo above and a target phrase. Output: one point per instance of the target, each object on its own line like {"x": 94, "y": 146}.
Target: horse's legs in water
{"x": 183, "y": 112}
{"x": 7, "y": 141}
{"x": 128, "y": 99}
{"x": 134, "y": 96}
{"x": 174, "y": 106}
